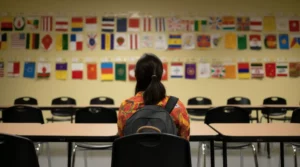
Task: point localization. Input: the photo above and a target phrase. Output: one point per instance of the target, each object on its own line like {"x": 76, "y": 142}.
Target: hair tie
{"x": 154, "y": 76}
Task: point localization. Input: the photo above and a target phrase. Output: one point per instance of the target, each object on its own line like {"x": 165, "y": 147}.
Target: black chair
{"x": 274, "y": 113}
{"x": 26, "y": 114}
{"x": 198, "y": 114}
{"x": 93, "y": 115}
{"x": 239, "y": 100}
{"x": 26, "y": 100}
{"x": 102, "y": 100}
{"x": 295, "y": 119}
{"x": 151, "y": 150}
{"x": 62, "y": 114}
{"x": 230, "y": 114}
{"x": 17, "y": 152}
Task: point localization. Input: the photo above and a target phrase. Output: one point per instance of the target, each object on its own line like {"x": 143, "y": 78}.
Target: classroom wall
{"x": 216, "y": 89}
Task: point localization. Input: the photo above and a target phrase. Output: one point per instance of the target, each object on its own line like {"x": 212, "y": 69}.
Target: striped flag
{"x": 3, "y": 41}
{"x": 77, "y": 24}
{"x": 187, "y": 25}
{"x": 282, "y": 69}
{"x": 6, "y": 23}
{"x": 32, "y": 41}
{"x": 174, "y": 41}
{"x": 91, "y": 23}
{"x": 228, "y": 23}
{"x": 108, "y": 24}
{"x": 147, "y": 24}
{"x": 1, "y": 69}
{"x": 256, "y": 24}
{"x": 47, "y": 23}
{"x": 77, "y": 70}
{"x": 243, "y": 70}
{"x": 107, "y": 71}
{"x": 200, "y": 24}
{"x": 61, "y": 70}
{"x": 160, "y": 24}
{"x": 13, "y": 69}
{"x": 107, "y": 41}
{"x": 134, "y": 41}
{"x": 62, "y": 42}
{"x": 177, "y": 70}
{"x": 61, "y": 24}
{"x": 18, "y": 40}
{"x": 133, "y": 24}
{"x": 257, "y": 70}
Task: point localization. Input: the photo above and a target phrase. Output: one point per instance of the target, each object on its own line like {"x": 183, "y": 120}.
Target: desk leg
{"x": 212, "y": 154}
{"x": 268, "y": 144}
{"x": 224, "y": 154}
{"x": 257, "y": 121}
{"x": 69, "y": 153}
{"x": 281, "y": 154}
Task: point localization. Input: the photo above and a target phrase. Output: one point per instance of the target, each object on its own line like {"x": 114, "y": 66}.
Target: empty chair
{"x": 198, "y": 114}
{"x": 274, "y": 113}
{"x": 295, "y": 119}
{"x": 59, "y": 115}
{"x": 17, "y": 152}
{"x": 26, "y": 101}
{"x": 93, "y": 115}
{"x": 239, "y": 100}
{"x": 102, "y": 100}
{"x": 151, "y": 150}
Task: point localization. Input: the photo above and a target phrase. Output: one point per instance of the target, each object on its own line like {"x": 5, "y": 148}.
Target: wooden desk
{"x": 264, "y": 132}
{"x": 114, "y": 107}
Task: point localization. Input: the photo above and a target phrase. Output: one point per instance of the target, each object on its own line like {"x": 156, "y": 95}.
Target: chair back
{"x": 274, "y": 101}
{"x": 95, "y": 115}
{"x": 102, "y": 100}
{"x": 239, "y": 100}
{"x": 227, "y": 114}
{"x": 296, "y": 116}
{"x": 22, "y": 114}
{"x": 151, "y": 150}
{"x": 199, "y": 100}
{"x": 17, "y": 152}
{"x": 26, "y": 100}
{"x": 63, "y": 101}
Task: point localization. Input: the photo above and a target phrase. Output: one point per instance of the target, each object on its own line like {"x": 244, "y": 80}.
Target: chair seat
{"x": 276, "y": 116}
{"x": 233, "y": 145}
{"x": 96, "y": 146}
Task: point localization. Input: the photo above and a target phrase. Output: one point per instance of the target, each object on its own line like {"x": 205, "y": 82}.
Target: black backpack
{"x": 152, "y": 119}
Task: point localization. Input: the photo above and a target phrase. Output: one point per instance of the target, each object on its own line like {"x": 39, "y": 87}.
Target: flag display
{"x": 92, "y": 71}
{"x": 187, "y": 25}
{"x": 270, "y": 41}
{"x": 18, "y": 40}
{"x": 121, "y": 41}
{"x": 147, "y": 24}
{"x": 215, "y": 23}
{"x": 76, "y": 42}
{"x": 33, "y": 23}
{"x": 13, "y": 69}
{"x": 255, "y": 42}
{"x": 270, "y": 69}
{"x": 160, "y": 42}
{"x": 61, "y": 72}
{"x": 77, "y": 70}
{"x": 200, "y": 24}
{"x": 174, "y": 42}
{"x": 61, "y": 24}
{"x": 47, "y": 23}
{"x": 295, "y": 41}
{"x": 108, "y": 24}
{"x": 256, "y": 24}
{"x": 188, "y": 41}
{"x": 146, "y": 41}
{"x": 282, "y": 24}
{"x": 217, "y": 70}
{"x": 47, "y": 42}
{"x": 3, "y": 41}
{"x": 228, "y": 23}
{"x": 107, "y": 41}
{"x": 160, "y": 24}
{"x": 29, "y": 70}
{"x": 62, "y": 42}
{"x": 107, "y": 71}
{"x": 230, "y": 40}
{"x": 77, "y": 24}
{"x": 215, "y": 40}
{"x": 257, "y": 70}
{"x": 133, "y": 24}
{"x": 121, "y": 24}
{"x": 294, "y": 25}
{"x": 243, "y": 24}
{"x": 91, "y": 23}
{"x": 243, "y": 70}
{"x": 19, "y": 23}
{"x": 174, "y": 24}
{"x": 32, "y": 41}
{"x": 204, "y": 70}
{"x": 164, "y": 76}
{"x": 177, "y": 70}
{"x": 134, "y": 41}
{"x": 92, "y": 41}
{"x": 120, "y": 71}
{"x": 131, "y": 72}
{"x": 282, "y": 69}
{"x": 6, "y": 23}
{"x": 242, "y": 41}
{"x": 43, "y": 70}
{"x": 1, "y": 69}
{"x": 230, "y": 71}
{"x": 284, "y": 41}
{"x": 190, "y": 71}
{"x": 269, "y": 23}
{"x": 294, "y": 69}
{"x": 203, "y": 41}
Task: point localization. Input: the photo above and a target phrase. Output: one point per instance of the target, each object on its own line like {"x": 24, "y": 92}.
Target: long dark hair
{"x": 148, "y": 73}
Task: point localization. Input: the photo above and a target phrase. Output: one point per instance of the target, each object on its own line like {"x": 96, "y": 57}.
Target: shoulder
{"x": 131, "y": 103}
{"x": 179, "y": 105}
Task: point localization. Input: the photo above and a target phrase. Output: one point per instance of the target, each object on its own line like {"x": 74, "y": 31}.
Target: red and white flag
{"x": 187, "y": 25}
{"x": 133, "y": 24}
{"x": 147, "y": 24}
{"x": 134, "y": 41}
{"x": 61, "y": 24}
{"x": 256, "y": 24}
{"x": 174, "y": 24}
{"x": 160, "y": 24}
{"x": 91, "y": 23}
{"x": 47, "y": 23}
{"x": 131, "y": 73}
{"x": 13, "y": 69}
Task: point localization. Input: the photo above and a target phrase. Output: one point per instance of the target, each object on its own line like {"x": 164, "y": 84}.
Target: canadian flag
{"x": 134, "y": 41}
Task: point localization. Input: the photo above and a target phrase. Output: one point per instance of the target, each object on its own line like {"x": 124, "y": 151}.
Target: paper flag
{"x": 77, "y": 70}
{"x": 230, "y": 41}
{"x": 106, "y": 71}
{"x": 91, "y": 71}
{"x": 188, "y": 41}
{"x": 190, "y": 71}
{"x": 61, "y": 72}
{"x": 203, "y": 41}
{"x": 120, "y": 71}
{"x": 204, "y": 70}
{"x": 176, "y": 70}
{"x": 29, "y": 70}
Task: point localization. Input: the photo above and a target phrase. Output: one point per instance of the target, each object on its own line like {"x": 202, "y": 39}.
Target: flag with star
{"x": 284, "y": 41}
{"x": 29, "y": 70}
{"x": 92, "y": 71}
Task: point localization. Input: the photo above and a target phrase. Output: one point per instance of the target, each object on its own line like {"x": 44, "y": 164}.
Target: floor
{"x": 103, "y": 158}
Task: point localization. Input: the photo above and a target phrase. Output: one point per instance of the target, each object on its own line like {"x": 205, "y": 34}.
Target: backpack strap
{"x": 171, "y": 103}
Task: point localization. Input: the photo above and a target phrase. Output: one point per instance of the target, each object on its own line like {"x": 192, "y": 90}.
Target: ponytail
{"x": 155, "y": 91}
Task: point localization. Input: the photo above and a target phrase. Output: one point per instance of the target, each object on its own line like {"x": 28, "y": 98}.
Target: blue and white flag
{"x": 29, "y": 70}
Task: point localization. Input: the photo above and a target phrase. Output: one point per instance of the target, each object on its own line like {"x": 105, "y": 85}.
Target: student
{"x": 150, "y": 91}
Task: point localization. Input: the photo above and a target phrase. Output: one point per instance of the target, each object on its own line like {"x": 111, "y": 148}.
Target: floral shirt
{"x": 131, "y": 105}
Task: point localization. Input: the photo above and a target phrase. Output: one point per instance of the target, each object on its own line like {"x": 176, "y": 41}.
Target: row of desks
{"x": 284, "y": 132}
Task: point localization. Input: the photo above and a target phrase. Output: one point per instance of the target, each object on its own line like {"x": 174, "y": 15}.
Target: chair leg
{"x": 241, "y": 158}
{"x": 204, "y": 154}
{"x": 38, "y": 148}
{"x": 295, "y": 155}
{"x": 85, "y": 158}
{"x": 73, "y": 155}
{"x": 48, "y": 154}
{"x": 255, "y": 155}
{"x": 199, "y": 154}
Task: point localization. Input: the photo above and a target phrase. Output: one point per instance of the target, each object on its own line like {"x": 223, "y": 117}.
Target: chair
{"x": 93, "y": 115}
{"x": 66, "y": 114}
{"x": 230, "y": 114}
{"x": 295, "y": 119}
{"x": 17, "y": 152}
{"x": 273, "y": 113}
{"x": 151, "y": 150}
{"x": 26, "y": 100}
{"x": 102, "y": 100}
{"x": 198, "y": 114}
{"x": 26, "y": 114}
{"x": 239, "y": 100}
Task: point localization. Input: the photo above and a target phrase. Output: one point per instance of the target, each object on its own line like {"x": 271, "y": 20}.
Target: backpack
{"x": 152, "y": 119}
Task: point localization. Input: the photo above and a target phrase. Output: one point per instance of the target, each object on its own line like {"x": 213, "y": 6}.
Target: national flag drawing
{"x": 284, "y": 41}
{"x": 33, "y": 23}
{"x": 19, "y": 23}
{"x": 44, "y": 70}
{"x": 217, "y": 70}
{"x": 243, "y": 70}
{"x": 77, "y": 70}
{"x": 188, "y": 40}
{"x": 134, "y": 41}
{"x": 77, "y": 24}
{"x": 294, "y": 69}
{"x": 204, "y": 70}
{"x": 133, "y": 24}
{"x": 47, "y": 42}
{"x": 108, "y": 24}
{"x": 121, "y": 41}
{"x": 29, "y": 70}
{"x": 13, "y": 69}
{"x": 242, "y": 41}
{"x": 282, "y": 24}
{"x": 160, "y": 42}
{"x": 120, "y": 71}
{"x": 131, "y": 72}
{"x": 147, "y": 24}
{"x": 7, "y": 23}
{"x": 47, "y": 23}
{"x": 3, "y": 41}
{"x": 62, "y": 42}
{"x": 215, "y": 40}
{"x": 282, "y": 69}
{"x": 190, "y": 71}
{"x": 243, "y": 24}
{"x": 76, "y": 42}
{"x": 215, "y": 23}
{"x": 164, "y": 76}
{"x": 257, "y": 70}
{"x": 61, "y": 24}
{"x": 91, "y": 23}
{"x": 174, "y": 42}
{"x": 200, "y": 24}
{"x": 92, "y": 41}
{"x": 107, "y": 41}
{"x": 174, "y": 24}
{"x": 255, "y": 42}
{"x": 32, "y": 41}
{"x": 107, "y": 71}
{"x": 256, "y": 24}
{"x": 177, "y": 70}
{"x": 230, "y": 70}
{"x": 228, "y": 23}
{"x": 1, "y": 69}
{"x": 160, "y": 24}
{"x": 91, "y": 71}
{"x": 121, "y": 24}
{"x": 61, "y": 72}
{"x": 294, "y": 25}
{"x": 270, "y": 69}
{"x": 269, "y": 23}
{"x": 270, "y": 41}
{"x": 187, "y": 25}
{"x": 295, "y": 41}
{"x": 146, "y": 41}
{"x": 230, "y": 40}
{"x": 203, "y": 41}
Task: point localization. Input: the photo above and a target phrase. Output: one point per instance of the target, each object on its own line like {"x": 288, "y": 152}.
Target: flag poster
{"x": 164, "y": 76}
{"x": 107, "y": 41}
{"x": 257, "y": 70}
{"x": 32, "y": 41}
{"x": 133, "y": 24}
{"x": 270, "y": 69}
{"x": 204, "y": 70}
{"x": 230, "y": 41}
{"x": 131, "y": 72}
{"x": 43, "y": 70}
{"x": 62, "y": 42}
{"x": 147, "y": 41}
{"x": 243, "y": 70}
{"x": 294, "y": 69}
{"x": 91, "y": 23}
{"x": 215, "y": 23}
{"x": 228, "y": 23}
{"x": 91, "y": 71}
{"x": 77, "y": 70}
{"x": 255, "y": 42}
{"x": 61, "y": 72}
{"x": 29, "y": 70}
{"x": 295, "y": 41}
{"x": 256, "y": 24}
{"x": 282, "y": 69}
{"x": 47, "y": 42}
{"x": 146, "y": 24}
{"x": 6, "y": 23}
{"x": 188, "y": 41}
{"x": 243, "y": 24}
{"x": 160, "y": 24}
{"x": 77, "y": 24}
{"x": 121, "y": 41}
{"x": 33, "y": 23}
{"x": 217, "y": 70}
{"x": 269, "y": 23}
{"x": 134, "y": 41}
{"x": 3, "y": 41}
{"x": 1, "y": 69}
{"x": 190, "y": 71}
{"x": 19, "y": 23}
{"x": 61, "y": 24}
{"x": 108, "y": 24}
{"x": 107, "y": 71}
{"x": 18, "y": 40}
{"x": 13, "y": 69}
{"x": 242, "y": 41}
{"x": 284, "y": 41}
{"x": 200, "y": 24}
{"x": 177, "y": 70}
{"x": 47, "y": 23}
{"x": 121, "y": 24}
{"x": 270, "y": 41}
{"x": 174, "y": 42}
{"x": 76, "y": 42}
{"x": 160, "y": 42}
{"x": 120, "y": 71}
{"x": 203, "y": 41}
{"x": 230, "y": 71}
{"x": 92, "y": 41}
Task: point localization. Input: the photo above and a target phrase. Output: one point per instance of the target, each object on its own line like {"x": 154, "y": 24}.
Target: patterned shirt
{"x": 179, "y": 114}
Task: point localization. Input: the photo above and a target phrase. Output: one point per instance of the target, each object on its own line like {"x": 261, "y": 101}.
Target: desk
{"x": 264, "y": 132}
